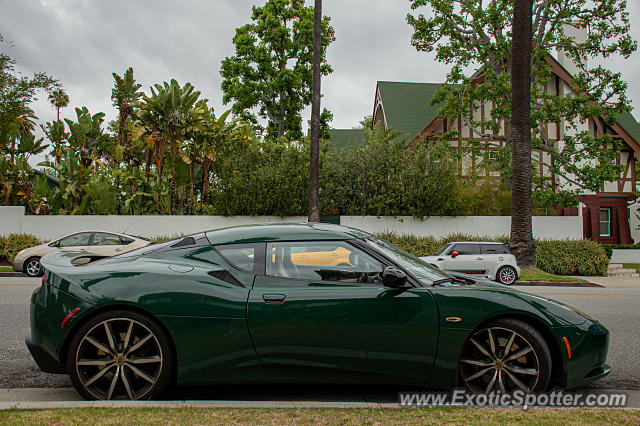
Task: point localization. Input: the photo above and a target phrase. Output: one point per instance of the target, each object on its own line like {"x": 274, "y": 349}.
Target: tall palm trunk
{"x": 314, "y": 149}
{"x": 521, "y": 243}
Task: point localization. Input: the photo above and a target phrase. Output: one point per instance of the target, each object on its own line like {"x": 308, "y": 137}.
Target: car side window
{"x": 124, "y": 241}
{"x": 466, "y": 249}
{"x": 81, "y": 239}
{"x": 241, "y": 256}
{"x": 323, "y": 261}
{"x": 104, "y": 239}
{"x": 494, "y": 249}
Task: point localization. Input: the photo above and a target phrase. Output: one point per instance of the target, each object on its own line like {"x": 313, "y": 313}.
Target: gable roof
{"x": 346, "y": 138}
{"x": 629, "y": 123}
{"x": 407, "y": 106}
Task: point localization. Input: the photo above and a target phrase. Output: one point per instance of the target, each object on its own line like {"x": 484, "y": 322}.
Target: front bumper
{"x": 45, "y": 361}
{"x": 589, "y": 344}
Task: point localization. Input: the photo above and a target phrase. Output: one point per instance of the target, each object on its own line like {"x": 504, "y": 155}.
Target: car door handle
{"x": 479, "y": 258}
{"x": 118, "y": 249}
{"x": 273, "y": 298}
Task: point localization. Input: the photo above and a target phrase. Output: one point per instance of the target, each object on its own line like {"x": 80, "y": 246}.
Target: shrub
{"x": 11, "y": 244}
{"x": 572, "y": 257}
{"x": 559, "y": 257}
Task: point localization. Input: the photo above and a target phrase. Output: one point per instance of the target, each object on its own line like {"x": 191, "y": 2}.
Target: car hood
{"x": 558, "y": 313}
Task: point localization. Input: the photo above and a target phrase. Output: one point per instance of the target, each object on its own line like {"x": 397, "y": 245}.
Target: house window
{"x": 605, "y": 222}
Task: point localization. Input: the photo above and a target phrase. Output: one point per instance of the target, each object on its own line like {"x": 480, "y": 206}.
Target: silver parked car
{"x": 481, "y": 258}
{"x": 92, "y": 242}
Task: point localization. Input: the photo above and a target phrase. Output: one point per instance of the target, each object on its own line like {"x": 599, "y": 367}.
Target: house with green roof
{"x": 406, "y": 107}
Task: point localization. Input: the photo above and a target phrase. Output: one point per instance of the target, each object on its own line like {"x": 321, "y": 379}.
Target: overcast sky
{"x": 81, "y": 42}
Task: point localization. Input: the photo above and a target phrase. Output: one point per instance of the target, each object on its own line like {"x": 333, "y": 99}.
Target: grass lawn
{"x": 635, "y": 266}
{"x": 314, "y": 416}
{"x": 535, "y": 274}
{"x": 6, "y": 269}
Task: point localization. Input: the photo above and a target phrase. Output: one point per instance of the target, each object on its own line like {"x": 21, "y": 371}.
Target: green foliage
{"x": 11, "y": 244}
{"x": 271, "y": 69}
{"x": 572, "y": 257}
{"x": 263, "y": 178}
{"x": 558, "y": 257}
{"x": 383, "y": 178}
{"x": 476, "y": 35}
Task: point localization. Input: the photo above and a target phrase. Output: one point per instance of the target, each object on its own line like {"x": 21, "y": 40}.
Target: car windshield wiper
{"x": 452, "y": 280}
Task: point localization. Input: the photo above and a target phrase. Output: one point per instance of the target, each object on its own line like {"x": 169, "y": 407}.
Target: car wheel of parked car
{"x": 506, "y": 275}
{"x": 120, "y": 355}
{"x": 32, "y": 267}
{"x": 505, "y": 355}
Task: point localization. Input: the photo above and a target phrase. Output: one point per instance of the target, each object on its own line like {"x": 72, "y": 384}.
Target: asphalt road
{"x": 617, "y": 308}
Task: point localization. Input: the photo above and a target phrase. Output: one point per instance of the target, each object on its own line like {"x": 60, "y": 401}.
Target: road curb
{"x": 555, "y": 284}
{"x": 12, "y": 274}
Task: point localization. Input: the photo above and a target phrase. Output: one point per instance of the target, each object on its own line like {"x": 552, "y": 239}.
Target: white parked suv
{"x": 481, "y": 258}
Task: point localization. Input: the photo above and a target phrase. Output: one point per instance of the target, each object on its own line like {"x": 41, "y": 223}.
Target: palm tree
{"x": 521, "y": 243}
{"x": 125, "y": 94}
{"x": 58, "y": 99}
{"x": 171, "y": 115}
{"x": 314, "y": 151}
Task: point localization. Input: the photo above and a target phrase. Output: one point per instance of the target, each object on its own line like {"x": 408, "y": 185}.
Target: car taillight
{"x": 43, "y": 278}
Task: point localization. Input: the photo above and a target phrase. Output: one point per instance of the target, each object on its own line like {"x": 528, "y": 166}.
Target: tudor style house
{"x": 406, "y": 107}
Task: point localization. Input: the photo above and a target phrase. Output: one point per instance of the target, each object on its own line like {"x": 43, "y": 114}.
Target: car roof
{"x": 102, "y": 231}
{"x": 283, "y": 232}
{"x": 474, "y": 242}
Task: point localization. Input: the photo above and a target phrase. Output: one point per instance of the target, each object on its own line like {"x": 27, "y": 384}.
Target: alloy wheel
{"x": 507, "y": 275}
{"x": 33, "y": 267}
{"x": 119, "y": 358}
{"x": 498, "y": 358}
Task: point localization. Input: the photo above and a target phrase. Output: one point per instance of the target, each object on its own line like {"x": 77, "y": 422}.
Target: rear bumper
{"x": 17, "y": 264}
{"x": 45, "y": 361}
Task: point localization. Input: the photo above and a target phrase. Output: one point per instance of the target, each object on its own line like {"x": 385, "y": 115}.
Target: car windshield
{"x": 443, "y": 249}
{"x": 424, "y": 272}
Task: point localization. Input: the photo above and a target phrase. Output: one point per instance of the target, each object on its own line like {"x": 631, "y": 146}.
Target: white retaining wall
{"x": 13, "y": 220}
{"x": 551, "y": 227}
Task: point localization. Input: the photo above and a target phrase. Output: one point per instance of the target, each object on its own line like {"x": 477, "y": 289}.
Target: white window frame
{"x": 608, "y": 222}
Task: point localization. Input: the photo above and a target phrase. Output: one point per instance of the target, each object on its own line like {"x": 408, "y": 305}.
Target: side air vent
{"x": 185, "y": 242}
{"x": 226, "y": 277}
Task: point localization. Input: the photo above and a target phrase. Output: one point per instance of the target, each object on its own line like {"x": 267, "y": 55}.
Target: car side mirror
{"x": 54, "y": 244}
{"x": 394, "y": 277}
{"x": 455, "y": 253}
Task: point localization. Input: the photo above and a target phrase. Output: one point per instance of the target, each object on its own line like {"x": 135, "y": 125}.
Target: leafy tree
{"x": 271, "y": 69}
{"x": 125, "y": 94}
{"x": 169, "y": 113}
{"x": 467, "y": 34}
{"x": 58, "y": 99}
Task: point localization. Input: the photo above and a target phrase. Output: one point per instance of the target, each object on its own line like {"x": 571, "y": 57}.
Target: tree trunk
{"x": 521, "y": 242}
{"x": 314, "y": 149}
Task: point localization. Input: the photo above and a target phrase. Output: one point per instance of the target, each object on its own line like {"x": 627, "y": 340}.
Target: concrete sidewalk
{"x": 614, "y": 282}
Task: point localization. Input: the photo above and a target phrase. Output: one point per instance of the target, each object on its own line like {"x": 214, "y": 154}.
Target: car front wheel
{"x": 506, "y": 275}
{"x": 120, "y": 355}
{"x": 505, "y": 355}
{"x": 32, "y": 267}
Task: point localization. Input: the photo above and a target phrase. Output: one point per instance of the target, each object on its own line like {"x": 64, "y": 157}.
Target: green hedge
{"x": 558, "y": 257}
{"x": 11, "y": 244}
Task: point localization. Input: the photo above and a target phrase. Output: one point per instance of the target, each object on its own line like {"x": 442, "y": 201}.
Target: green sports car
{"x": 297, "y": 303}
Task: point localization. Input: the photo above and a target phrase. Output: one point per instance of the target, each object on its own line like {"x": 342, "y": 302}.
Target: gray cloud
{"x": 81, "y": 42}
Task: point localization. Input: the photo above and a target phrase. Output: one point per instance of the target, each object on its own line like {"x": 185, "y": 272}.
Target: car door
{"x": 324, "y": 315}
{"x": 75, "y": 242}
{"x": 469, "y": 259}
{"x": 106, "y": 244}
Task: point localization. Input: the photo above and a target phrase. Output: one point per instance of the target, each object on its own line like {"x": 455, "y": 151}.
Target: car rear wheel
{"x": 505, "y": 355}
{"x": 506, "y": 275}
{"x": 120, "y": 355}
{"x": 32, "y": 267}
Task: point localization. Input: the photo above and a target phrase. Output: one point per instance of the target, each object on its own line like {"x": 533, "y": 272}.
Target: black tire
{"x": 142, "y": 370}
{"x": 507, "y": 275}
{"x": 29, "y": 267}
{"x": 503, "y": 372}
